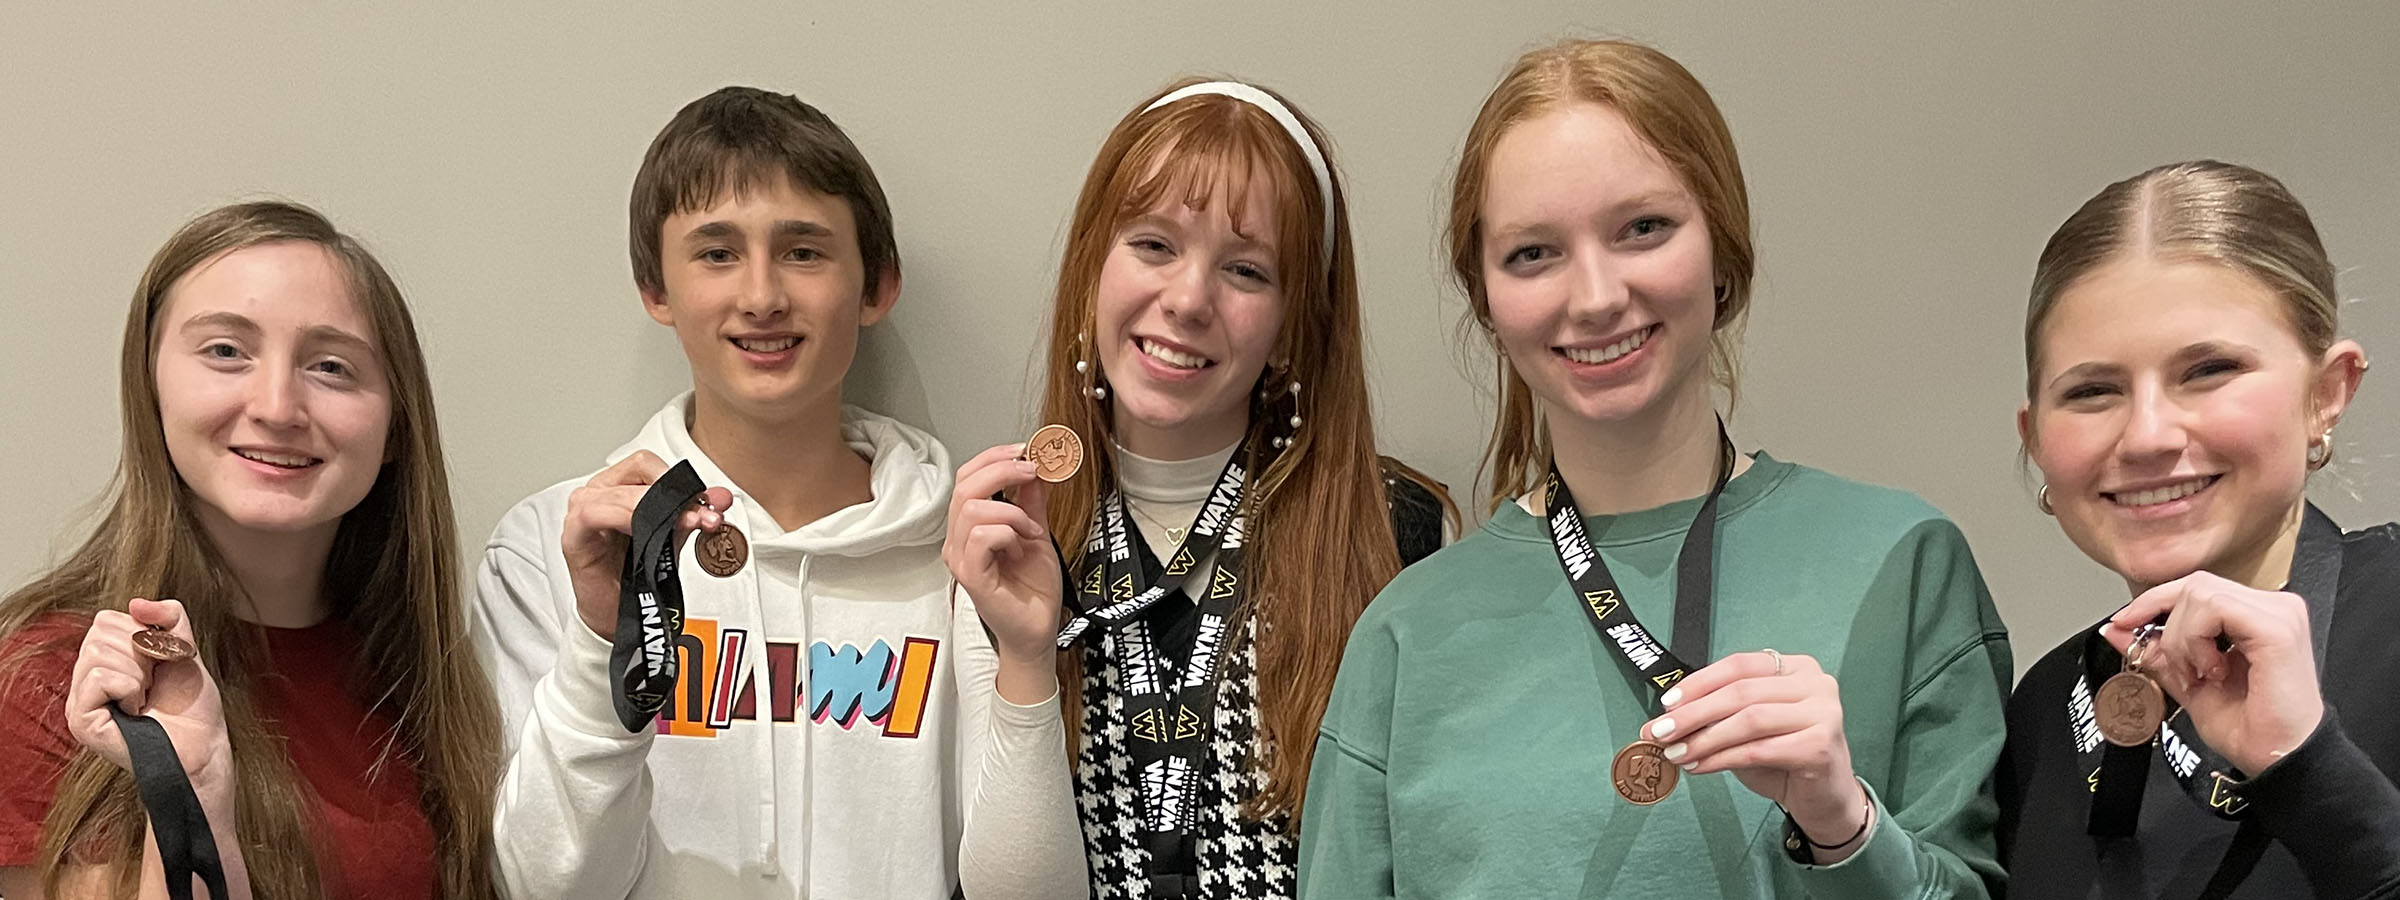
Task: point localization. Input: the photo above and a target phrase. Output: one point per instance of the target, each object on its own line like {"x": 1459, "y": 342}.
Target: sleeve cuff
{"x": 577, "y": 692}
{"x": 1036, "y": 720}
{"x": 1884, "y": 858}
{"x": 2336, "y": 812}
{"x": 2300, "y": 770}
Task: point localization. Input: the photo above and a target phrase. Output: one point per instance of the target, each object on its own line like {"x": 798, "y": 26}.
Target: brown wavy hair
{"x": 739, "y": 138}
{"x": 1321, "y": 538}
{"x": 1673, "y": 113}
{"x": 392, "y": 577}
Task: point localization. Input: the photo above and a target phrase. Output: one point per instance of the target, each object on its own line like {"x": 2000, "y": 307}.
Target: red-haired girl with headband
{"x": 1231, "y": 521}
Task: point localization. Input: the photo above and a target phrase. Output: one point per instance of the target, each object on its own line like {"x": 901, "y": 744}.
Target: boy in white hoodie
{"x": 829, "y": 694}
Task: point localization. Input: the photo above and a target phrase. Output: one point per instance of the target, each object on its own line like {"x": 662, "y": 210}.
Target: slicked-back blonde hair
{"x": 2199, "y": 211}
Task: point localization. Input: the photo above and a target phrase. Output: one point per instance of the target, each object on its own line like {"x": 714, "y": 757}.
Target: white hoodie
{"x": 840, "y": 716}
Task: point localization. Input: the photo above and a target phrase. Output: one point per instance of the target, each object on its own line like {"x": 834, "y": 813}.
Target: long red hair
{"x": 1673, "y": 113}
{"x": 1321, "y": 536}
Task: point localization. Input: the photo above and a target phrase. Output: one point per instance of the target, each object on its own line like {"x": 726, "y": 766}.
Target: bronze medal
{"x": 162, "y": 645}
{"x": 1056, "y": 453}
{"x": 723, "y": 551}
{"x": 2129, "y": 709}
{"x": 1642, "y": 774}
{"x": 2130, "y": 706}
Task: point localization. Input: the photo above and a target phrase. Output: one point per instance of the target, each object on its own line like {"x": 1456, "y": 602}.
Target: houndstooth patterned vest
{"x": 1238, "y": 858}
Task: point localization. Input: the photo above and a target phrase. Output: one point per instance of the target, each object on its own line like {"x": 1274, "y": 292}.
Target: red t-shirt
{"x": 376, "y": 841}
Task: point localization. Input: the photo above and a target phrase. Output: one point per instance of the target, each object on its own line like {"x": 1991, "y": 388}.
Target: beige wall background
{"x": 1906, "y": 161}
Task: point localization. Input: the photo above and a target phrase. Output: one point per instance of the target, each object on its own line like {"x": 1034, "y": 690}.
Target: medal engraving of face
{"x": 1642, "y": 775}
{"x": 2130, "y": 705}
{"x": 1056, "y": 453}
{"x": 2129, "y": 709}
{"x": 723, "y": 551}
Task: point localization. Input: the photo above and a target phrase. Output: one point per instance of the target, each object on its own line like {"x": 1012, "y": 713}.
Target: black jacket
{"x": 2326, "y": 817}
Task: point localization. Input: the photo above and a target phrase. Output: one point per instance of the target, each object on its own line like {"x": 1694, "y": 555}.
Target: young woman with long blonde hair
{"x": 280, "y": 504}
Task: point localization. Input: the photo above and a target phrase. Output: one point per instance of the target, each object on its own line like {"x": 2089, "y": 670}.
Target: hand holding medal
{"x": 1775, "y": 721}
{"x": 600, "y": 525}
{"x": 2130, "y": 706}
{"x": 998, "y": 548}
{"x": 143, "y": 661}
{"x": 2240, "y": 660}
{"x": 140, "y": 698}
{"x": 624, "y": 530}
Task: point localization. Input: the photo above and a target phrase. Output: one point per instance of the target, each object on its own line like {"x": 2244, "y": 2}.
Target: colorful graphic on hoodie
{"x": 847, "y": 687}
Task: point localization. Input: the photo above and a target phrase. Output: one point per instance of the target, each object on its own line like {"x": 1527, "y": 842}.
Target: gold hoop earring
{"x": 2042, "y": 501}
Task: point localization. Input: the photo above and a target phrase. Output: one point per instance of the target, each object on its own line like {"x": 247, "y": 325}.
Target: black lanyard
{"x": 1108, "y": 592}
{"x": 1169, "y": 706}
{"x": 2120, "y": 775}
{"x": 642, "y": 664}
{"x": 1649, "y": 661}
{"x": 185, "y": 845}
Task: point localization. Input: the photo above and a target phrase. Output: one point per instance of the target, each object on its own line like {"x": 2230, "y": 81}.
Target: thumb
{"x": 705, "y": 513}
{"x": 167, "y": 614}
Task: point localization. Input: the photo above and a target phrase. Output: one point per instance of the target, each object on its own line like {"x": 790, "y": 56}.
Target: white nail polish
{"x": 1661, "y": 728}
{"x": 1676, "y": 751}
{"x": 1671, "y": 697}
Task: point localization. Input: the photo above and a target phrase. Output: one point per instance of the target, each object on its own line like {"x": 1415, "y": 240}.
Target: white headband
{"x": 1283, "y": 116}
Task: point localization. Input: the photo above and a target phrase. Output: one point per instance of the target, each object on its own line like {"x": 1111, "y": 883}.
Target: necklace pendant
{"x": 1175, "y": 535}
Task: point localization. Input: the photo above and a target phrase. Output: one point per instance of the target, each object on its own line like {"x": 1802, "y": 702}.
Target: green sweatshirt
{"x": 1466, "y": 751}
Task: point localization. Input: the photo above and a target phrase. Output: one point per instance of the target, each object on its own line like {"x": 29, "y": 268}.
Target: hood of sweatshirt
{"x": 911, "y": 481}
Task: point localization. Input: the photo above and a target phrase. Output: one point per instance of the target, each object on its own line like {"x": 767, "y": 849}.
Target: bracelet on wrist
{"x": 1799, "y": 837}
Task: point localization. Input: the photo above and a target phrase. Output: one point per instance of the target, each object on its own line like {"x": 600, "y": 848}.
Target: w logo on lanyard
{"x": 1150, "y": 724}
{"x": 2225, "y": 795}
{"x": 1173, "y": 704}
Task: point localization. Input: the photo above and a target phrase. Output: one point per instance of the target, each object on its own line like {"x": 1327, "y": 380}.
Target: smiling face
{"x": 764, "y": 291}
{"x": 1597, "y": 266}
{"x": 2172, "y": 411}
{"x": 274, "y": 404}
{"x": 1188, "y": 307}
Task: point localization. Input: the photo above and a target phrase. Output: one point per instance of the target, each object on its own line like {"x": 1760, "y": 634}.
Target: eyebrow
{"x": 2088, "y": 371}
{"x": 327, "y": 334}
{"x": 723, "y": 230}
{"x": 224, "y": 321}
{"x": 2215, "y": 348}
{"x": 1515, "y": 230}
{"x": 1153, "y": 220}
{"x": 1654, "y": 197}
